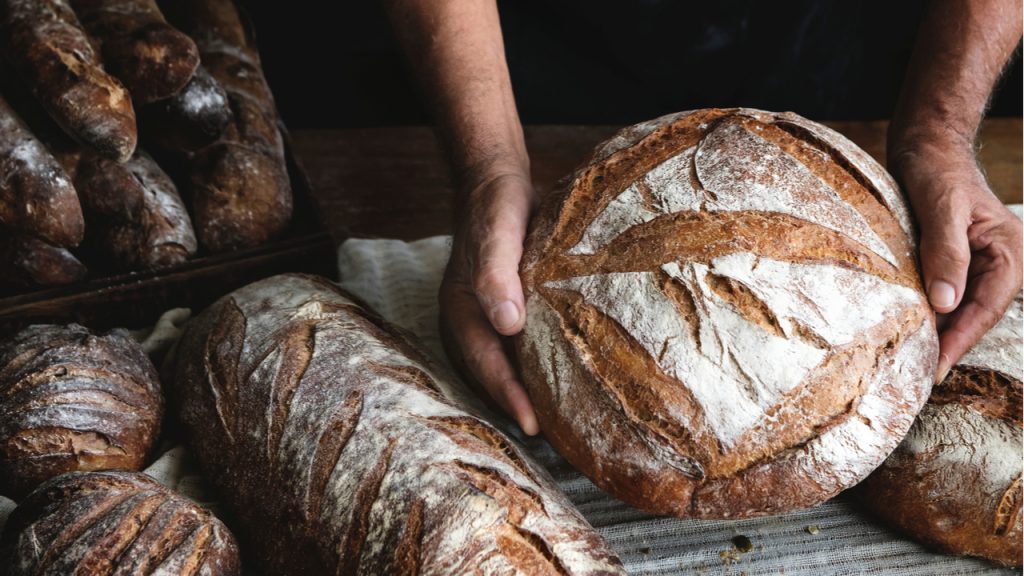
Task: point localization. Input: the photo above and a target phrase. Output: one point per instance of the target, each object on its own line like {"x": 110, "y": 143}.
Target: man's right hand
{"x": 481, "y": 296}
{"x": 458, "y": 53}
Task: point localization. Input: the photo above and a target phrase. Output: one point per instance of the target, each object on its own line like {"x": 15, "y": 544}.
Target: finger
{"x": 945, "y": 254}
{"x": 988, "y": 297}
{"x": 483, "y": 357}
{"x": 496, "y": 247}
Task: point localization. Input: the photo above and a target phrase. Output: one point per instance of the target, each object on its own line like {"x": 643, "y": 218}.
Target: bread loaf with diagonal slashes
{"x": 239, "y": 187}
{"x": 114, "y": 523}
{"x": 955, "y": 481}
{"x": 73, "y": 400}
{"x": 337, "y": 445}
{"x": 724, "y": 316}
{"x": 137, "y": 220}
{"x": 27, "y": 262}
{"x": 50, "y": 50}
{"x": 37, "y": 198}
{"x": 152, "y": 59}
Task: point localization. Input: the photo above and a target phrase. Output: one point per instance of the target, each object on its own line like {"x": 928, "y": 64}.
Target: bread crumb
{"x": 729, "y": 556}
{"x": 812, "y": 529}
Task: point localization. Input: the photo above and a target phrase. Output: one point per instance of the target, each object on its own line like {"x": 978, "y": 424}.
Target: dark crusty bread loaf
{"x": 955, "y": 481}
{"x": 724, "y": 316}
{"x": 240, "y": 192}
{"x": 51, "y": 52}
{"x": 152, "y": 58}
{"x": 72, "y": 400}
{"x": 28, "y": 262}
{"x": 36, "y": 195}
{"x": 114, "y": 523}
{"x": 136, "y": 219}
{"x": 333, "y": 440}
{"x": 189, "y": 120}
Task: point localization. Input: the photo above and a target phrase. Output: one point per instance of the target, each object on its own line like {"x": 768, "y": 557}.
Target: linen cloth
{"x": 400, "y": 281}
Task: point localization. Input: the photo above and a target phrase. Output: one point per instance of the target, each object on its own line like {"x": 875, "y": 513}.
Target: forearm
{"x": 961, "y": 50}
{"x": 455, "y": 48}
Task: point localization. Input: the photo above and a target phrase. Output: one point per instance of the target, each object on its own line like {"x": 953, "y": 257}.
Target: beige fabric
{"x": 400, "y": 280}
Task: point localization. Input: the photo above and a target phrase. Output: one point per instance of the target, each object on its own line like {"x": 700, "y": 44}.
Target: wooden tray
{"x": 136, "y": 299}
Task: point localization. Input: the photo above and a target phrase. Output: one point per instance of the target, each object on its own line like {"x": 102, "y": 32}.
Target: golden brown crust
{"x": 337, "y": 445}
{"x": 71, "y": 400}
{"x": 955, "y": 481}
{"x": 28, "y": 262}
{"x": 722, "y": 218}
{"x": 50, "y": 51}
{"x": 189, "y": 120}
{"x": 137, "y": 220}
{"x": 151, "y": 57}
{"x": 117, "y": 523}
{"x": 36, "y": 195}
{"x": 240, "y": 192}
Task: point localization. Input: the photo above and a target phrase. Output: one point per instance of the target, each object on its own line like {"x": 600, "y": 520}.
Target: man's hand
{"x": 970, "y": 244}
{"x": 457, "y": 51}
{"x": 481, "y": 296}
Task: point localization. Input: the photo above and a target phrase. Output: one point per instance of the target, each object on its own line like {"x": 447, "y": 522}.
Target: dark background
{"x": 337, "y": 65}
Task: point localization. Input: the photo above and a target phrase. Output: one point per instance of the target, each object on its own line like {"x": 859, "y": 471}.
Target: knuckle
{"x": 945, "y": 253}
{"x": 489, "y": 278}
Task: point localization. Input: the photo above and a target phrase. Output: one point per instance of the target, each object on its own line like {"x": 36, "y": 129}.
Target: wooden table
{"x": 392, "y": 182}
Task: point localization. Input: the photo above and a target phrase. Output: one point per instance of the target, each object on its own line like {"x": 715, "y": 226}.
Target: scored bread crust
{"x": 152, "y": 59}
{"x": 137, "y": 219}
{"x": 955, "y": 481}
{"x": 335, "y": 443}
{"x": 53, "y": 55}
{"x": 118, "y": 523}
{"x": 74, "y": 400}
{"x": 240, "y": 190}
{"x": 36, "y": 196}
{"x": 724, "y": 315}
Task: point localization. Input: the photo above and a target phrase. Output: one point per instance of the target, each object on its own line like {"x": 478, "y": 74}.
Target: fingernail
{"x": 505, "y": 315}
{"x": 942, "y": 294}
{"x": 528, "y": 422}
{"x": 943, "y": 370}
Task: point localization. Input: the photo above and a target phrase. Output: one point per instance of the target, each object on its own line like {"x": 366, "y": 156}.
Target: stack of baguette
{"x": 84, "y": 81}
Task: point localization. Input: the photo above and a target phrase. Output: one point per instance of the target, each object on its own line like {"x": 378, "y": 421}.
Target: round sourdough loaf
{"x": 955, "y": 481}
{"x": 724, "y": 315}
{"x": 115, "y": 523}
{"x": 73, "y": 400}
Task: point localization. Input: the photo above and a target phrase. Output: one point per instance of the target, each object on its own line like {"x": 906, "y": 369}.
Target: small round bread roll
{"x": 114, "y": 523}
{"x": 72, "y": 400}
{"x": 954, "y": 482}
{"x": 724, "y": 316}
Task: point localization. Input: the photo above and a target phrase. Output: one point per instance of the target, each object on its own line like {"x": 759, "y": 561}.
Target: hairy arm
{"x": 970, "y": 243}
{"x": 455, "y": 48}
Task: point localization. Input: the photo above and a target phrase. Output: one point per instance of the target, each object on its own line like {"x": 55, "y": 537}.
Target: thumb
{"x": 495, "y": 251}
{"x": 945, "y": 256}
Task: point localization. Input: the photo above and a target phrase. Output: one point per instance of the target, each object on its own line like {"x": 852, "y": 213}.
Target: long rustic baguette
{"x": 152, "y": 58}
{"x": 333, "y": 440}
{"x": 73, "y": 400}
{"x": 135, "y": 216}
{"x": 36, "y": 194}
{"x": 114, "y": 523}
{"x": 27, "y": 262}
{"x": 240, "y": 191}
{"x": 51, "y": 52}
